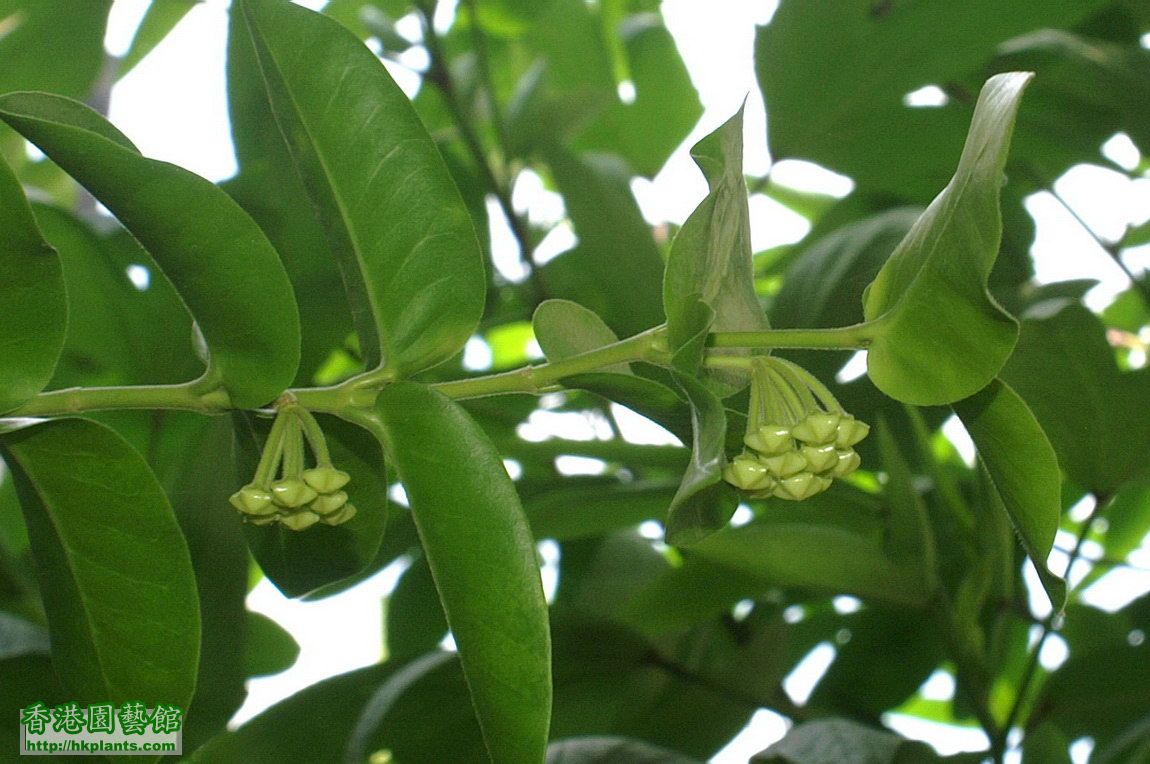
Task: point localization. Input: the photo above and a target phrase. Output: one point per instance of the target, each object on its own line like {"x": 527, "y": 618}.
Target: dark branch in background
{"x": 777, "y": 702}
{"x": 1102, "y": 501}
{"x": 1112, "y": 249}
{"x": 439, "y": 74}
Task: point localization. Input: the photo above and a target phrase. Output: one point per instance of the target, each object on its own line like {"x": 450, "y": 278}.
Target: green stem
{"x": 545, "y": 377}
{"x": 354, "y": 398}
{"x": 76, "y": 400}
{"x": 314, "y": 435}
{"x": 854, "y": 337}
{"x": 1048, "y": 625}
{"x": 293, "y": 447}
{"x": 270, "y": 457}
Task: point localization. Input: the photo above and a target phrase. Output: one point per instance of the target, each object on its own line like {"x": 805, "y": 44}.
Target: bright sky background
{"x": 173, "y": 106}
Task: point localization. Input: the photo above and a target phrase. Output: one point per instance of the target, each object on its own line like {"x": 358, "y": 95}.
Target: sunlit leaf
{"x": 474, "y": 533}
{"x": 939, "y": 336}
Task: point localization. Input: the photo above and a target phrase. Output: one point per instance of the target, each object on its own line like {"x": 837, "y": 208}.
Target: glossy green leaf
{"x": 1065, "y": 370}
{"x": 473, "y": 531}
{"x": 226, "y": 272}
{"x": 1022, "y": 465}
{"x": 160, "y": 19}
{"x": 191, "y": 455}
{"x": 939, "y": 336}
{"x": 32, "y": 291}
{"x": 564, "y": 328}
{"x": 117, "y": 581}
{"x": 704, "y": 502}
{"x": 303, "y": 563}
{"x": 118, "y": 334}
{"x": 268, "y": 647}
{"x": 55, "y": 46}
{"x": 616, "y": 268}
{"x": 711, "y": 256}
{"x": 394, "y": 219}
{"x": 269, "y": 189}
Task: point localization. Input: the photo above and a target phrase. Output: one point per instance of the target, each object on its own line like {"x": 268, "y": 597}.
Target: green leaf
{"x": 824, "y": 285}
{"x": 844, "y": 740}
{"x": 420, "y": 713}
{"x": 473, "y": 531}
{"x": 160, "y": 19}
{"x": 304, "y": 563}
{"x": 834, "y": 77}
{"x": 574, "y": 512}
{"x": 616, "y": 268}
{"x": 268, "y": 647}
{"x": 118, "y": 334}
{"x": 652, "y": 399}
{"x": 191, "y": 455}
{"x": 890, "y": 653}
{"x": 414, "y": 617}
{"x": 611, "y": 750}
{"x": 793, "y": 551}
{"x": 1065, "y": 370}
{"x": 909, "y": 540}
{"x": 52, "y": 45}
{"x": 564, "y": 328}
{"x": 115, "y": 574}
{"x": 395, "y": 221}
{"x": 320, "y": 717}
{"x": 227, "y": 273}
{"x": 666, "y": 106}
{"x": 711, "y": 256}
{"x": 1022, "y": 465}
{"x": 939, "y": 336}
{"x": 32, "y": 292}
{"x": 268, "y": 187}
{"x": 704, "y": 502}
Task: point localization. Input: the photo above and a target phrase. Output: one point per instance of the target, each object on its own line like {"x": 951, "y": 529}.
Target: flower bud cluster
{"x": 798, "y": 439}
{"x": 286, "y": 493}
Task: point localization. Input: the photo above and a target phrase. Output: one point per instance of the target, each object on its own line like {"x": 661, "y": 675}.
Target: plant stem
{"x": 1031, "y": 670}
{"x": 440, "y": 74}
{"x": 545, "y": 377}
{"x": 854, "y": 337}
{"x": 76, "y": 400}
{"x": 354, "y": 398}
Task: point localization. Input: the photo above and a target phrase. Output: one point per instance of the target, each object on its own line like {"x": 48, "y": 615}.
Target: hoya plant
{"x": 281, "y": 392}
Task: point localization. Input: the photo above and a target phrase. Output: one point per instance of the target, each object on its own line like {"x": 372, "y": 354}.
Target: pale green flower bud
{"x": 292, "y": 492}
{"x": 770, "y": 440}
{"x": 298, "y": 521}
{"x": 785, "y": 465}
{"x": 820, "y": 458}
{"x": 818, "y": 428}
{"x": 747, "y": 473}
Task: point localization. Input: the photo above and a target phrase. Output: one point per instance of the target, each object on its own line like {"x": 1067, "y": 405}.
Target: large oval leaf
{"x": 217, "y": 257}
{"x": 115, "y": 574}
{"x": 406, "y": 246}
{"x": 940, "y": 337}
{"x": 482, "y": 555}
{"x": 32, "y": 292}
{"x": 1022, "y": 465}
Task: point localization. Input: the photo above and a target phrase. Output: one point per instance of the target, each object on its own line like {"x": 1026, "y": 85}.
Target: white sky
{"x": 173, "y": 106}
